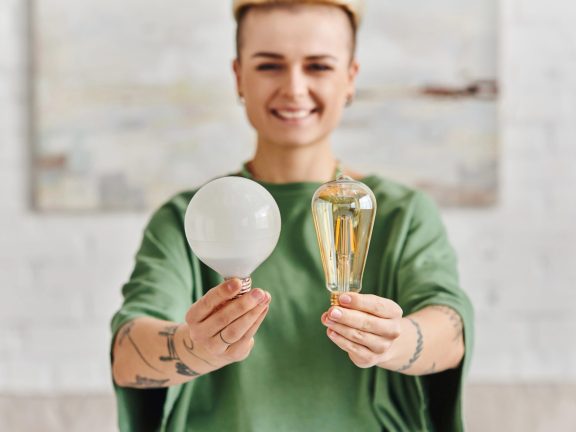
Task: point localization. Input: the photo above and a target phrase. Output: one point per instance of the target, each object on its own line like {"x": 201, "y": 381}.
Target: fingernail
{"x": 258, "y": 294}
{"x": 336, "y": 313}
{"x": 345, "y": 298}
{"x": 231, "y": 285}
{"x": 265, "y": 300}
{"x": 329, "y": 322}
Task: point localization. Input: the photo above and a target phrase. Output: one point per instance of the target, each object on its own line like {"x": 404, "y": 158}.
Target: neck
{"x": 283, "y": 164}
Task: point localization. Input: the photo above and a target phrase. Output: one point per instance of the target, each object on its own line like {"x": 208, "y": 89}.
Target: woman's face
{"x": 295, "y": 72}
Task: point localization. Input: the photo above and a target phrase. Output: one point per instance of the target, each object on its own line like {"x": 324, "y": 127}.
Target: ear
{"x": 352, "y": 74}
{"x": 237, "y": 74}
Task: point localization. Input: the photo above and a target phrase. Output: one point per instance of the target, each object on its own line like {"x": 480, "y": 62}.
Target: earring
{"x": 349, "y": 99}
{"x": 241, "y": 100}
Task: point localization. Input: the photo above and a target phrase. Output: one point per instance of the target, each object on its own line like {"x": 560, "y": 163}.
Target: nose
{"x": 295, "y": 84}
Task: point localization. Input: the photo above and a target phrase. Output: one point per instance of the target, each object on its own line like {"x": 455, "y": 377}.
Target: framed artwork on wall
{"x": 135, "y": 101}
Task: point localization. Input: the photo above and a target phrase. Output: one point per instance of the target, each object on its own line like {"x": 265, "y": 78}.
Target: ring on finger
{"x": 222, "y": 337}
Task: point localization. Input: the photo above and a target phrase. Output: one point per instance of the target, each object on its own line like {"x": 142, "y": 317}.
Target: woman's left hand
{"x": 365, "y": 326}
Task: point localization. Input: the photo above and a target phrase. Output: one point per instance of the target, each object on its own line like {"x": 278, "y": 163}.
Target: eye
{"x": 269, "y": 67}
{"x": 319, "y": 67}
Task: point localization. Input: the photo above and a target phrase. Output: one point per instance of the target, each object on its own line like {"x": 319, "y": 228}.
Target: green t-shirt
{"x": 295, "y": 378}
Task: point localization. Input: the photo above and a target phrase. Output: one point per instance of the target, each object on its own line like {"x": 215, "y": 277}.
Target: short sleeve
{"x": 428, "y": 275}
{"x": 428, "y": 267}
{"x": 161, "y": 287}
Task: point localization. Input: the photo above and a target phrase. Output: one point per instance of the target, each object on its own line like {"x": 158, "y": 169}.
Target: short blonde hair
{"x": 354, "y": 7}
{"x": 354, "y": 14}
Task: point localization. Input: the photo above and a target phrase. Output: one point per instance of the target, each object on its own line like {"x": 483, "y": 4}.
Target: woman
{"x": 389, "y": 358}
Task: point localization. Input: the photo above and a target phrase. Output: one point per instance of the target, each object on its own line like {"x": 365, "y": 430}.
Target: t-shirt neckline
{"x": 291, "y": 186}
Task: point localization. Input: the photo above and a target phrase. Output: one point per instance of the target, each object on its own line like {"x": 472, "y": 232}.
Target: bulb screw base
{"x": 246, "y": 285}
{"x": 334, "y": 299}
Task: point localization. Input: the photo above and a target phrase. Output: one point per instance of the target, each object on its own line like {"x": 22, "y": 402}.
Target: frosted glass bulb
{"x": 232, "y": 225}
{"x": 343, "y": 212}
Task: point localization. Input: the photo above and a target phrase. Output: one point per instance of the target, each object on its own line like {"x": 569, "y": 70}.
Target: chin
{"x": 295, "y": 142}
{"x": 295, "y": 139}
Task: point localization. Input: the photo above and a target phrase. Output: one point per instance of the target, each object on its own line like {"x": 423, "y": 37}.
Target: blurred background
{"x": 107, "y": 108}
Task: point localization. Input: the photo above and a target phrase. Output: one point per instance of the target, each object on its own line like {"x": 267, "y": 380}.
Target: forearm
{"x": 431, "y": 340}
{"x": 151, "y": 353}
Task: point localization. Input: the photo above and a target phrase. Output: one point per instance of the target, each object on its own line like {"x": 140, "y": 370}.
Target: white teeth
{"x": 294, "y": 115}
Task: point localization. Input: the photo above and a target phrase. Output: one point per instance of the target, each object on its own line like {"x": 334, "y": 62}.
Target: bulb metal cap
{"x": 246, "y": 285}
{"x": 334, "y": 299}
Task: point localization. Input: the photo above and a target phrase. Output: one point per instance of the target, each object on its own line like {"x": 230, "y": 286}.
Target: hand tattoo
{"x": 190, "y": 349}
{"x": 419, "y": 347}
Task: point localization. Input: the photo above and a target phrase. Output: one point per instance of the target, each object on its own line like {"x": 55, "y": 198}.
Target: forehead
{"x": 297, "y": 29}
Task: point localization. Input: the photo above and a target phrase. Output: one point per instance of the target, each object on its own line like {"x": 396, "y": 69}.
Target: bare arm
{"x": 371, "y": 329}
{"x": 219, "y": 330}
{"x": 431, "y": 340}
{"x": 152, "y": 353}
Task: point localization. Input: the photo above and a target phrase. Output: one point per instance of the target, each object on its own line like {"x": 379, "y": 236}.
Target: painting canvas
{"x": 135, "y": 100}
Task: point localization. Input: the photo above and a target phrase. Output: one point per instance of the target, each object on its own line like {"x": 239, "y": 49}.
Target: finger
{"x": 243, "y": 346}
{"x": 372, "y": 304}
{"x": 210, "y": 301}
{"x": 389, "y": 328}
{"x": 231, "y": 311}
{"x": 251, "y": 332}
{"x": 376, "y": 344}
{"x": 237, "y": 329}
{"x": 354, "y": 349}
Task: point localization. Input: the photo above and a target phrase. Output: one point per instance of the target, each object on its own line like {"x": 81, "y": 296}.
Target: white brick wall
{"x": 60, "y": 274}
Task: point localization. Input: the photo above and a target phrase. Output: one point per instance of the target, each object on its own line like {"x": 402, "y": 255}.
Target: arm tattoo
{"x": 181, "y": 368}
{"x": 419, "y": 347}
{"x": 143, "y": 382}
{"x": 125, "y": 334}
{"x": 454, "y": 318}
{"x": 431, "y": 370}
{"x": 169, "y": 333}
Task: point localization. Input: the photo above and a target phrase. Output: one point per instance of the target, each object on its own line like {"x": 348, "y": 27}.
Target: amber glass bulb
{"x": 343, "y": 211}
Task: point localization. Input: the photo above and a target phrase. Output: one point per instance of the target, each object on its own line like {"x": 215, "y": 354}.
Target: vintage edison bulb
{"x": 232, "y": 225}
{"x": 343, "y": 211}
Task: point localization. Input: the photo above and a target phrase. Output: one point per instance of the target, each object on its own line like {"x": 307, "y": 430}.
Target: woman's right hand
{"x": 221, "y": 328}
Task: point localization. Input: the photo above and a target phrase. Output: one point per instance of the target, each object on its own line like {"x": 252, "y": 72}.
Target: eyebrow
{"x": 277, "y": 56}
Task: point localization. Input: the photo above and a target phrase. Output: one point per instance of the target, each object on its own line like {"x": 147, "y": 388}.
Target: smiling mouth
{"x": 294, "y": 115}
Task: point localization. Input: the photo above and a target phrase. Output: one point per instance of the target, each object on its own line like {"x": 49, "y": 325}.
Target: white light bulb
{"x": 232, "y": 225}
